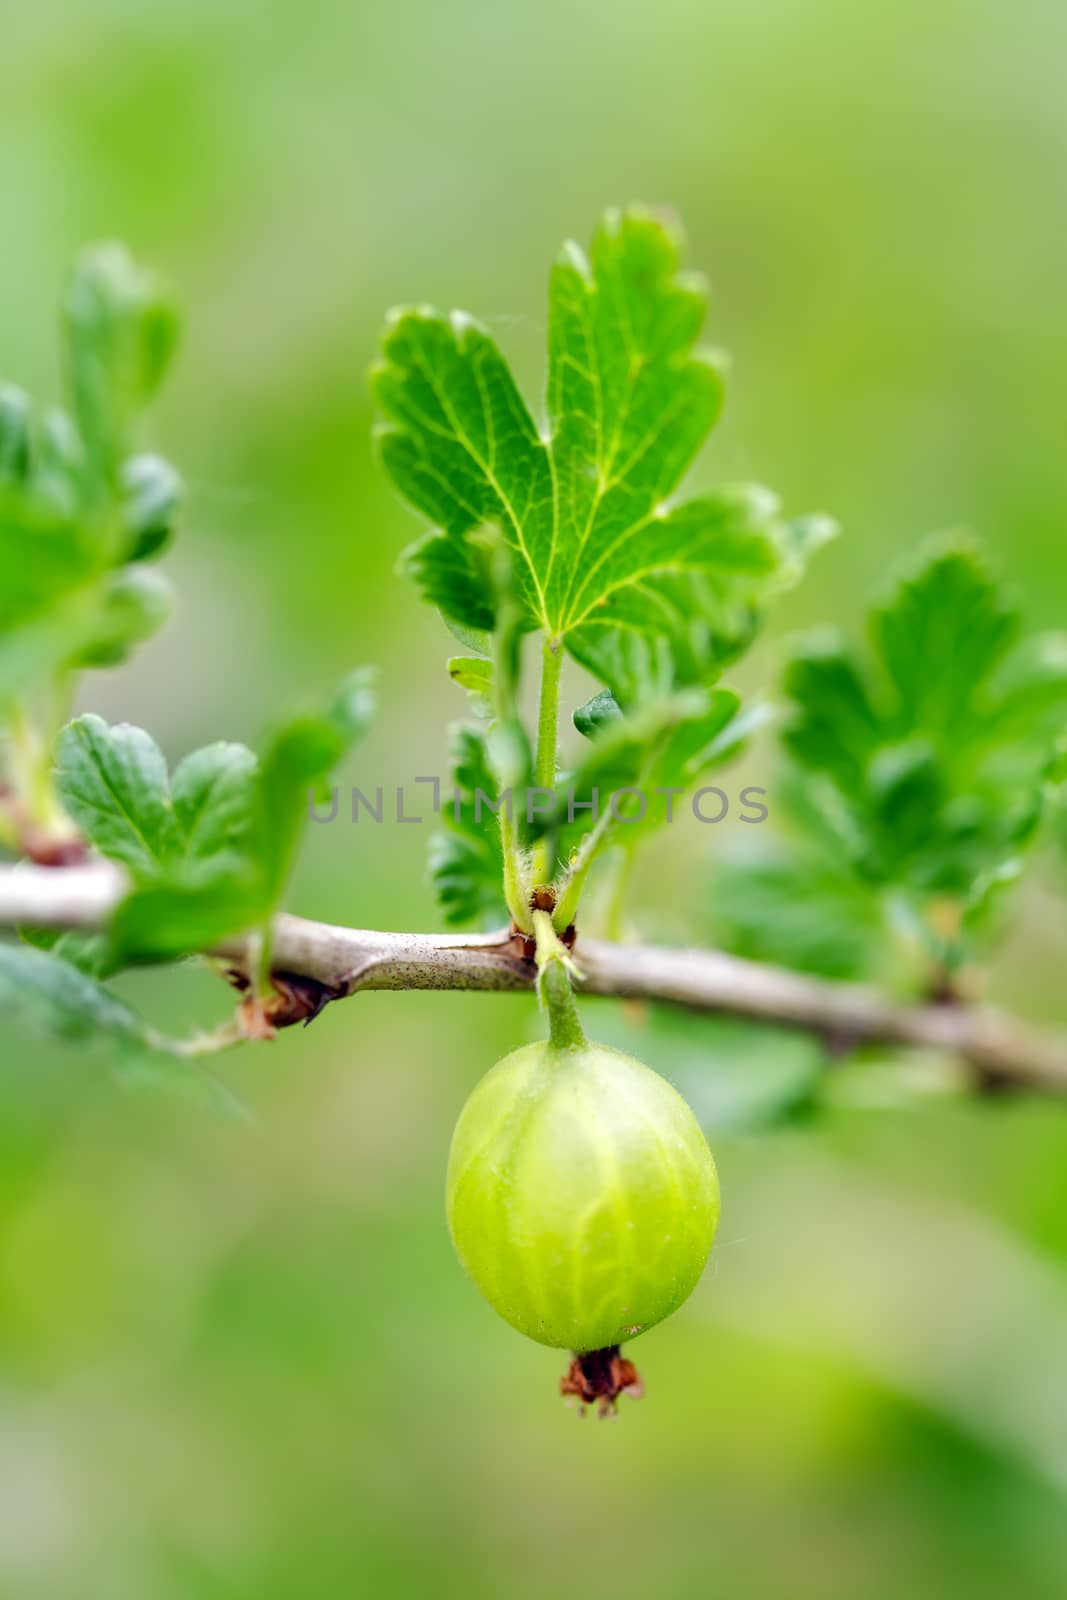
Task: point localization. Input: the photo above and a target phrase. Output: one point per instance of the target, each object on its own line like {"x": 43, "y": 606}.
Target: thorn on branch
{"x": 294, "y": 999}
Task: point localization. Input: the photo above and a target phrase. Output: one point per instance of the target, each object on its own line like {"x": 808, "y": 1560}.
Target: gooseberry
{"x": 583, "y": 1201}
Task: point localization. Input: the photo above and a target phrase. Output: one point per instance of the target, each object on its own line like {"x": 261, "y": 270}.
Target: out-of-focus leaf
{"x": 798, "y": 910}
{"x": 91, "y": 953}
{"x": 151, "y": 500}
{"x": 52, "y": 995}
{"x": 134, "y": 603}
{"x": 930, "y": 762}
{"x": 120, "y": 329}
{"x": 298, "y": 757}
{"x": 597, "y": 712}
{"x": 174, "y": 918}
{"x": 738, "y": 1076}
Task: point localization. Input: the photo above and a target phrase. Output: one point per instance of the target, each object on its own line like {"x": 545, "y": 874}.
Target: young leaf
{"x": 209, "y": 848}
{"x": 113, "y": 783}
{"x": 598, "y": 712}
{"x": 184, "y": 840}
{"x": 121, "y": 330}
{"x": 474, "y": 674}
{"x": 211, "y": 793}
{"x": 648, "y": 596}
{"x": 74, "y": 511}
{"x": 151, "y": 500}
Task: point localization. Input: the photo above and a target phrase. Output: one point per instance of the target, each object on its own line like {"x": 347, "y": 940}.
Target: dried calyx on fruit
{"x": 582, "y": 1197}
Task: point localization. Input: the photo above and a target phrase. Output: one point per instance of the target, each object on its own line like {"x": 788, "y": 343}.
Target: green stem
{"x": 514, "y": 887}
{"x": 32, "y": 776}
{"x": 516, "y": 896}
{"x": 554, "y": 986}
{"x": 567, "y": 905}
{"x": 545, "y": 757}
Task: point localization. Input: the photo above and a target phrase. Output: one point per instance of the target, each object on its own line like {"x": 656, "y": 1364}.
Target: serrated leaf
{"x": 113, "y": 783}
{"x": 73, "y": 509}
{"x": 453, "y": 578}
{"x": 211, "y": 793}
{"x": 210, "y": 848}
{"x": 648, "y": 596}
{"x": 929, "y": 762}
{"x": 466, "y": 861}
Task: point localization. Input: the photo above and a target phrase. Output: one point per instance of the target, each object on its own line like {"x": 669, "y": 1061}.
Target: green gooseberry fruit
{"x": 583, "y": 1201}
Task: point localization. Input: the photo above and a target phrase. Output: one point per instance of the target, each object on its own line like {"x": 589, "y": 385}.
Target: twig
{"x": 1003, "y": 1051}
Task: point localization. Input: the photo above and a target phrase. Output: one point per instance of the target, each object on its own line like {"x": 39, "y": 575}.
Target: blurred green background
{"x": 237, "y": 1358}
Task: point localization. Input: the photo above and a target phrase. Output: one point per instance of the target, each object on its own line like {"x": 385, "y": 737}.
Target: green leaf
{"x": 151, "y": 499}
{"x": 73, "y": 509}
{"x": 15, "y": 430}
{"x": 174, "y": 918}
{"x": 451, "y": 576}
{"x": 44, "y": 556}
{"x": 120, "y": 330}
{"x": 211, "y": 847}
{"x": 739, "y": 1077}
{"x": 466, "y": 862}
{"x": 797, "y": 909}
{"x": 297, "y": 758}
{"x": 55, "y": 997}
{"x": 665, "y": 745}
{"x": 89, "y": 952}
{"x": 51, "y": 996}
{"x": 476, "y": 675}
{"x": 212, "y": 796}
{"x": 598, "y": 712}
{"x": 929, "y": 761}
{"x": 647, "y": 595}
{"x": 133, "y": 604}
{"x": 113, "y": 782}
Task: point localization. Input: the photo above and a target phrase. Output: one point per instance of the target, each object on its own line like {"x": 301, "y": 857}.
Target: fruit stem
{"x": 555, "y": 970}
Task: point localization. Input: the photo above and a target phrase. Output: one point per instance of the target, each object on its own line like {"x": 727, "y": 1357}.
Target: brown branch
{"x": 1003, "y": 1051}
